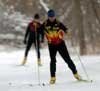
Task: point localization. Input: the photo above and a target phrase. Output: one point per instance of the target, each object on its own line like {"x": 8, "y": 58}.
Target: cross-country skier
{"x": 32, "y": 36}
{"x": 54, "y": 32}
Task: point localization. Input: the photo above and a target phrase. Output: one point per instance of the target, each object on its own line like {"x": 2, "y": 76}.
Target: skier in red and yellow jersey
{"x": 54, "y": 32}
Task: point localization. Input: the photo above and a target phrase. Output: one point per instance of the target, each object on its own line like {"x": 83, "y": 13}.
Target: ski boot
{"x": 77, "y": 76}
{"x": 52, "y": 80}
{"x": 39, "y": 62}
{"x": 24, "y": 61}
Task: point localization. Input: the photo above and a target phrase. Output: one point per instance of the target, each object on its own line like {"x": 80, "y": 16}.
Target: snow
{"x": 98, "y": 1}
{"x": 7, "y": 36}
{"x": 14, "y": 77}
{"x": 44, "y": 5}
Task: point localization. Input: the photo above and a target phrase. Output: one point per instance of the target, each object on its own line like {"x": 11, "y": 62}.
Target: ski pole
{"x": 36, "y": 46}
{"x": 84, "y": 69}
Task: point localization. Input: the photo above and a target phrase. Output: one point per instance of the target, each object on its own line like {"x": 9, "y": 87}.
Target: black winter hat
{"x": 36, "y": 16}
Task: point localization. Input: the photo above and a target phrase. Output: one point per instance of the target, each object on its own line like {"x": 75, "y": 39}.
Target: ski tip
{"x": 86, "y": 80}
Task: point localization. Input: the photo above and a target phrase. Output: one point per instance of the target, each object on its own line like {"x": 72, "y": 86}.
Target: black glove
{"x": 25, "y": 41}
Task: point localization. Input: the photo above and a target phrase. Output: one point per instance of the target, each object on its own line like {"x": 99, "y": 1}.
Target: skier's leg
{"x": 65, "y": 55}
{"x": 37, "y": 46}
{"x": 38, "y": 50}
{"x": 52, "y": 52}
{"x": 29, "y": 44}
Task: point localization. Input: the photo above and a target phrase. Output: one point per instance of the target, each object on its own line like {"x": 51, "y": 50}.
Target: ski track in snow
{"x": 14, "y": 77}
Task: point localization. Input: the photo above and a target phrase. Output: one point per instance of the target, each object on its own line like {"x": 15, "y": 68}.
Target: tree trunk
{"x": 79, "y": 17}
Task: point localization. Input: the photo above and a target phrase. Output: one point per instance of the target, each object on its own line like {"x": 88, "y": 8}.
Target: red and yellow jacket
{"x": 54, "y": 31}
{"x": 55, "y": 37}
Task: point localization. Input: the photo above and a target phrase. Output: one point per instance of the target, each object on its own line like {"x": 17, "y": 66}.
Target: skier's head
{"x": 51, "y": 15}
{"x": 36, "y": 16}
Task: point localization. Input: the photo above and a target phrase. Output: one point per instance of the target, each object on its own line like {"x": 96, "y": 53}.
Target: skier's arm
{"x": 26, "y": 34}
{"x": 62, "y": 27}
{"x": 42, "y": 28}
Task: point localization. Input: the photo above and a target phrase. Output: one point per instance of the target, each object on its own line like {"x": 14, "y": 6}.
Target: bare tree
{"x": 80, "y": 27}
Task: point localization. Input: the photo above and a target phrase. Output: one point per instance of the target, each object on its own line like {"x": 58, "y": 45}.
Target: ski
{"x": 24, "y": 84}
{"x": 81, "y": 80}
{"x": 48, "y": 84}
{"x": 44, "y": 83}
{"x": 84, "y": 80}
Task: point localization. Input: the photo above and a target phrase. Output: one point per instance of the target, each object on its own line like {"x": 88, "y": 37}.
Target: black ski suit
{"x": 32, "y": 36}
{"x": 54, "y": 33}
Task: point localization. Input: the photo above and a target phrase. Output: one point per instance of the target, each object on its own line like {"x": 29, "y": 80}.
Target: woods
{"x": 82, "y": 17}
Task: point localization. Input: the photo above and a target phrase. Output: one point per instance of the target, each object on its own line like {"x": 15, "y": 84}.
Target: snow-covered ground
{"x": 17, "y": 78}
